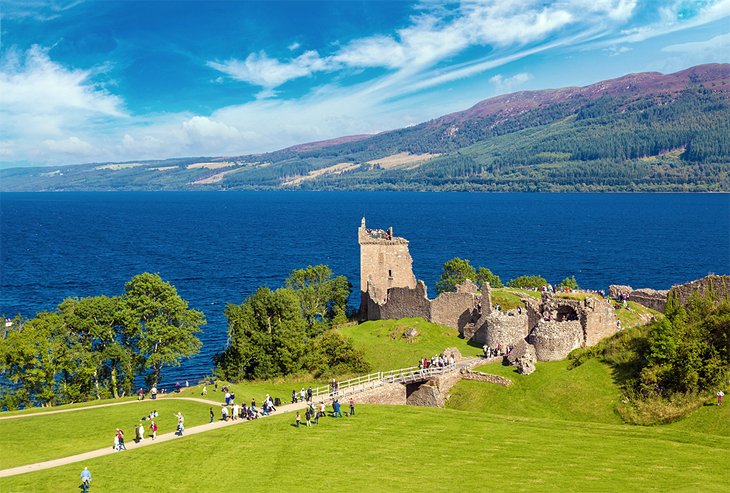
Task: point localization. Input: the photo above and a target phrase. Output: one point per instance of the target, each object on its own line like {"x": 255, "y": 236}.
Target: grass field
{"x": 37, "y": 438}
{"x": 389, "y": 448}
{"x": 386, "y": 349}
{"x": 586, "y": 393}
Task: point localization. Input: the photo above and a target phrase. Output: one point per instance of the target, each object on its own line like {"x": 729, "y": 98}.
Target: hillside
{"x": 639, "y": 132}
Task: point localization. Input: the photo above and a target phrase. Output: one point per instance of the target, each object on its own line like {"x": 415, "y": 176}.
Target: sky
{"x": 97, "y": 81}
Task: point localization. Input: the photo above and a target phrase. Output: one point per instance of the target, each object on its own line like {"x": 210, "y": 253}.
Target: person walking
{"x": 212, "y": 415}
{"x": 308, "y": 417}
{"x": 141, "y": 432}
{"x": 85, "y": 479}
{"x": 120, "y": 436}
{"x": 336, "y": 408}
{"x": 352, "y": 407}
{"x": 140, "y": 394}
{"x": 720, "y": 395}
{"x": 153, "y": 429}
{"x": 153, "y": 392}
{"x": 298, "y": 419}
{"x": 180, "y": 424}
{"x": 205, "y": 390}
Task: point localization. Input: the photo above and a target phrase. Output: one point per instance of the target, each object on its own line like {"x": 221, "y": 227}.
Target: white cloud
{"x": 717, "y": 45}
{"x": 293, "y": 46}
{"x": 508, "y": 84}
{"x": 72, "y": 145}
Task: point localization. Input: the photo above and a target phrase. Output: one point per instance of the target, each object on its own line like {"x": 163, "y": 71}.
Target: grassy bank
{"x": 387, "y": 448}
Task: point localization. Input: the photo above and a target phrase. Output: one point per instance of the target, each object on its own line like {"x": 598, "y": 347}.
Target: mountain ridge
{"x": 642, "y": 131}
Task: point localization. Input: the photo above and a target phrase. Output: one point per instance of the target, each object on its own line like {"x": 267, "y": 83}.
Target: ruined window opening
{"x": 566, "y": 313}
{"x": 390, "y": 274}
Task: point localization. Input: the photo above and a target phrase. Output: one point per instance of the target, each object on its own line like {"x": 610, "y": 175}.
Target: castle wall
{"x": 401, "y": 303}
{"x": 718, "y": 286}
{"x": 456, "y": 309}
{"x": 554, "y": 340}
{"x": 502, "y": 329}
{"x": 385, "y": 262}
{"x": 650, "y": 298}
{"x": 599, "y": 320}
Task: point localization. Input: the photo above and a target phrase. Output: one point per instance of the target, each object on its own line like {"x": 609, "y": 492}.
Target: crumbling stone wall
{"x": 650, "y": 298}
{"x": 400, "y": 303}
{"x": 554, "y": 340}
{"x": 457, "y": 309}
{"x": 478, "y": 376}
{"x": 502, "y": 329}
{"x": 616, "y": 290}
{"x": 389, "y": 393}
{"x": 598, "y": 319}
{"x": 716, "y": 286}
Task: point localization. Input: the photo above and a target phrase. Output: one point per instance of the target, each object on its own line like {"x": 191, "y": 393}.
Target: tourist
{"x": 140, "y": 431}
{"x": 293, "y": 396}
{"x": 180, "y": 424}
{"x": 303, "y": 395}
{"x": 187, "y": 384}
{"x": 308, "y": 417}
{"x": 309, "y": 394}
{"x": 140, "y": 394}
{"x": 177, "y": 387}
{"x": 234, "y": 413}
{"x": 253, "y": 402}
{"x": 228, "y": 398}
{"x": 720, "y": 395}
{"x": 205, "y": 390}
{"x": 336, "y": 408}
{"x": 153, "y": 429}
{"x": 298, "y": 419}
{"x": 352, "y": 407}
{"x": 224, "y": 413}
{"x": 322, "y": 412}
{"x": 85, "y": 479}
{"x": 153, "y": 392}
{"x": 116, "y": 442}
{"x": 120, "y": 437}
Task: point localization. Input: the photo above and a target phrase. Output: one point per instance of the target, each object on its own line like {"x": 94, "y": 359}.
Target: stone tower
{"x": 384, "y": 263}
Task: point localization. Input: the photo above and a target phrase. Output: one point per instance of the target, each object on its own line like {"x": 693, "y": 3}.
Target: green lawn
{"x": 586, "y": 393}
{"x": 386, "y": 349}
{"x": 38, "y": 438}
{"x": 389, "y": 448}
{"x": 76, "y": 405}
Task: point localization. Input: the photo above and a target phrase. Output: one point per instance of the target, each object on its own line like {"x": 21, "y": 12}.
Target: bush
{"x": 527, "y": 282}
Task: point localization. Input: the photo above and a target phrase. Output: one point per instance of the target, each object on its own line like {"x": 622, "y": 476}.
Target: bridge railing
{"x": 372, "y": 380}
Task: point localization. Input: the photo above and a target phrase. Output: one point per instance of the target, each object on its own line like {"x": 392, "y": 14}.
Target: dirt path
{"x": 86, "y": 408}
{"x": 38, "y": 466}
{"x": 285, "y": 408}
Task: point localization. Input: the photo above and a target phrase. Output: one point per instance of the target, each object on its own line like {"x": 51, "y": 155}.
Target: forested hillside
{"x": 641, "y": 132}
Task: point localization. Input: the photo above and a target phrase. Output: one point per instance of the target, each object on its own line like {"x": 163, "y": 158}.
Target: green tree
{"x": 332, "y": 354}
{"x": 267, "y": 336}
{"x": 158, "y": 324}
{"x": 455, "y": 271}
{"x": 527, "y": 282}
{"x": 485, "y": 276}
{"x": 323, "y": 298}
{"x": 109, "y": 360}
{"x": 32, "y": 354}
{"x": 569, "y": 282}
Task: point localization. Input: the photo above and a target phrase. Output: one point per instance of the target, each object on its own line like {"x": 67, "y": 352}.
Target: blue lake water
{"x": 217, "y": 248}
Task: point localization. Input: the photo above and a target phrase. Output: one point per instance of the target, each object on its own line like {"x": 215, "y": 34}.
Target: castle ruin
{"x": 553, "y": 325}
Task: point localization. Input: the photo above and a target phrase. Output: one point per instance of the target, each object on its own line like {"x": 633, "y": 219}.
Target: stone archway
{"x": 566, "y": 313}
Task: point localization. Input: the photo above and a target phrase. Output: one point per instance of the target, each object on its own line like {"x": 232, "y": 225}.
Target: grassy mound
{"x": 586, "y": 393}
{"x": 389, "y": 448}
{"x": 43, "y": 437}
{"x": 386, "y": 348}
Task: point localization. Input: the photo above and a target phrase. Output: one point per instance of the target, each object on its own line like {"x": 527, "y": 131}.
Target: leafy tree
{"x": 332, "y": 354}
{"x": 267, "y": 336}
{"x": 159, "y": 324}
{"x": 485, "y": 276}
{"x": 109, "y": 360}
{"x": 323, "y": 298}
{"x": 527, "y": 282}
{"x": 569, "y": 282}
{"x": 32, "y": 354}
{"x": 455, "y": 271}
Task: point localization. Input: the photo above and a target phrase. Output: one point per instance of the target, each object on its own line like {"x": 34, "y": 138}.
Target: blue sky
{"x": 84, "y": 81}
